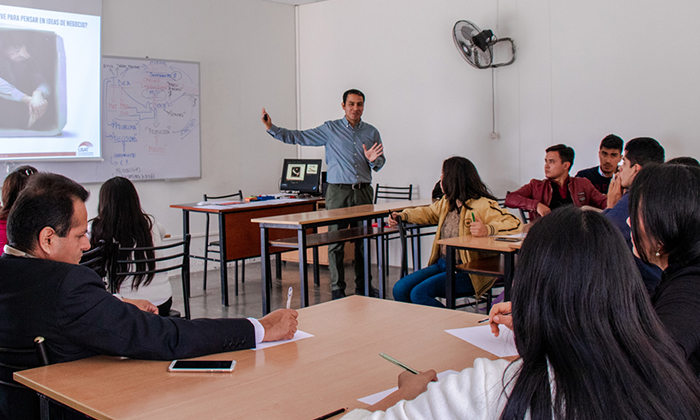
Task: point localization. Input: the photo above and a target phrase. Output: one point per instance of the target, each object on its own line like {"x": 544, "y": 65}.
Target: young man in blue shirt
{"x": 353, "y": 150}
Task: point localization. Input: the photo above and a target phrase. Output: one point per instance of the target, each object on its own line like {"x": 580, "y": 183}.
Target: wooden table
{"x": 239, "y": 237}
{"x": 306, "y": 223}
{"x": 502, "y": 265}
{"x": 299, "y": 380}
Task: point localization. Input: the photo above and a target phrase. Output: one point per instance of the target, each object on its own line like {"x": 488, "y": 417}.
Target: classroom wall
{"x": 247, "y": 59}
{"x": 583, "y": 70}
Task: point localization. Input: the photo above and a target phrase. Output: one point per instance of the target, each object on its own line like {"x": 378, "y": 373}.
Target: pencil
{"x": 397, "y": 363}
{"x": 331, "y": 414}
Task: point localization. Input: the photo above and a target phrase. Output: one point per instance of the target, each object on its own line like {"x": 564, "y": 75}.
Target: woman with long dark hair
{"x": 665, "y": 221}
{"x": 590, "y": 344}
{"x": 467, "y": 208}
{"x": 14, "y": 183}
{"x": 120, "y": 218}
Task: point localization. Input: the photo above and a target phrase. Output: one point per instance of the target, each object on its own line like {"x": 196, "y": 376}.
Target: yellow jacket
{"x": 496, "y": 219}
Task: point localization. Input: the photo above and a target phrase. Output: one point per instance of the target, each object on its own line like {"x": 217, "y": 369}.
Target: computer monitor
{"x": 302, "y": 176}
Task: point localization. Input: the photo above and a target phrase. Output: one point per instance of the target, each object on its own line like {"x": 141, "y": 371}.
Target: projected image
{"x": 312, "y": 169}
{"x": 295, "y": 172}
{"x": 49, "y": 83}
{"x": 28, "y": 62}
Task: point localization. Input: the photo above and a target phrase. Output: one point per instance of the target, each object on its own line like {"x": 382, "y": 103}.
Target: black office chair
{"x": 213, "y": 246}
{"x": 120, "y": 267}
{"x": 14, "y": 359}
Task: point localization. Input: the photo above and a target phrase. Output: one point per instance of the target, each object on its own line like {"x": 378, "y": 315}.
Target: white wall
{"x": 583, "y": 70}
{"x": 247, "y": 60}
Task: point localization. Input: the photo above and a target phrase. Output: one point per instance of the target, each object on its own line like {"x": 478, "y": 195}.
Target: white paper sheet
{"x": 299, "y": 335}
{"x": 375, "y": 398}
{"x": 482, "y": 337}
{"x": 514, "y": 235}
{"x": 212, "y": 205}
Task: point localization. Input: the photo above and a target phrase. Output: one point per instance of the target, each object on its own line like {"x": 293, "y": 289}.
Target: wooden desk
{"x": 302, "y": 222}
{"x": 300, "y": 380}
{"x": 239, "y": 237}
{"x": 500, "y": 266}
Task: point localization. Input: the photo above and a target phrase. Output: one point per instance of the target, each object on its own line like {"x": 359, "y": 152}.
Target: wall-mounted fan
{"x": 476, "y": 46}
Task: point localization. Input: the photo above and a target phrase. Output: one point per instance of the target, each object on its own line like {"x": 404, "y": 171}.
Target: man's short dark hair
{"x": 643, "y": 150}
{"x": 684, "y": 160}
{"x": 352, "y": 92}
{"x": 47, "y": 200}
{"x": 612, "y": 141}
{"x": 566, "y": 153}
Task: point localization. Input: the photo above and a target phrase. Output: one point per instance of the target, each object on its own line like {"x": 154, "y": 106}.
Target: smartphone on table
{"x": 202, "y": 366}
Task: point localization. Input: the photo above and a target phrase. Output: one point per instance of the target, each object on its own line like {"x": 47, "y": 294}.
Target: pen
{"x": 486, "y": 319}
{"x": 289, "y": 297}
{"x": 331, "y": 414}
{"x": 397, "y": 363}
{"x": 473, "y": 218}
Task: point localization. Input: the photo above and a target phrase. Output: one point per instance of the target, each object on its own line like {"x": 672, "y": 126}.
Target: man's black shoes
{"x": 338, "y": 294}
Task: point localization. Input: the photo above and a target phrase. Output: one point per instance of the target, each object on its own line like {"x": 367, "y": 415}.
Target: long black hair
{"x": 120, "y": 218}
{"x": 666, "y": 200}
{"x": 14, "y": 183}
{"x": 590, "y": 342}
{"x": 461, "y": 181}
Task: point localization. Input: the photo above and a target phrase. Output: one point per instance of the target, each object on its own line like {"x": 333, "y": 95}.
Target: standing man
{"x": 540, "y": 197}
{"x": 609, "y": 155}
{"x": 353, "y": 149}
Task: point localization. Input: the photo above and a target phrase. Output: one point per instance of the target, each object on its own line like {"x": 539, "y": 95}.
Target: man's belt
{"x": 356, "y": 186}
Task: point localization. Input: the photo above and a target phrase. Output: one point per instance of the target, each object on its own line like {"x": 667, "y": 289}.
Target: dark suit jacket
{"x": 68, "y": 305}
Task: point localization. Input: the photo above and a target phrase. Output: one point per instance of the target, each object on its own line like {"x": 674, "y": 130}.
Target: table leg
{"x": 303, "y": 268}
{"x": 450, "y": 274}
{"x": 185, "y": 232}
{"x": 508, "y": 272}
{"x": 368, "y": 260}
{"x": 416, "y": 250}
{"x": 265, "y": 275}
{"x": 223, "y": 267}
{"x": 380, "y": 261}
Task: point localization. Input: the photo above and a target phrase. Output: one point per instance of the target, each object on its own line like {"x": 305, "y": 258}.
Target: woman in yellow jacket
{"x": 467, "y": 208}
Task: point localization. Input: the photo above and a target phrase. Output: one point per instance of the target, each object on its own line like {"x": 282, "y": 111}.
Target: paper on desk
{"x": 375, "y": 398}
{"x": 299, "y": 335}
{"x": 514, "y": 235}
{"x": 212, "y": 205}
{"x": 482, "y": 337}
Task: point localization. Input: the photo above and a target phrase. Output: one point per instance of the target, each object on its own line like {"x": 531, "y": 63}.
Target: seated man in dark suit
{"x": 609, "y": 155}
{"x": 540, "y": 197}
{"x": 44, "y": 292}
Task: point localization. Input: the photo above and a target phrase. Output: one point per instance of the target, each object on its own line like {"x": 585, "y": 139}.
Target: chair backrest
{"x": 393, "y": 193}
{"x": 39, "y": 351}
{"x": 117, "y": 264}
{"x": 95, "y": 259}
{"x": 239, "y": 194}
{"x": 404, "y": 251}
{"x": 524, "y": 215}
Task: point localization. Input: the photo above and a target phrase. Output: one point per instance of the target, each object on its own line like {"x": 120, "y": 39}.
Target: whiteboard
{"x": 150, "y": 123}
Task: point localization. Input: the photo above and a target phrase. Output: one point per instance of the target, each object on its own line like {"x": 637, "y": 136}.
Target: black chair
{"x": 95, "y": 259}
{"x": 470, "y": 299}
{"x": 214, "y": 246}
{"x": 524, "y": 215}
{"x": 120, "y": 267}
{"x": 15, "y": 359}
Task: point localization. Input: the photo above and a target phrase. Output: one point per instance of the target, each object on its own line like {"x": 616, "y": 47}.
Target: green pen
{"x": 473, "y": 218}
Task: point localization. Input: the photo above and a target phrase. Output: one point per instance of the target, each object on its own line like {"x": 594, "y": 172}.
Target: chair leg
{"x": 206, "y": 258}
{"x": 242, "y": 271}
